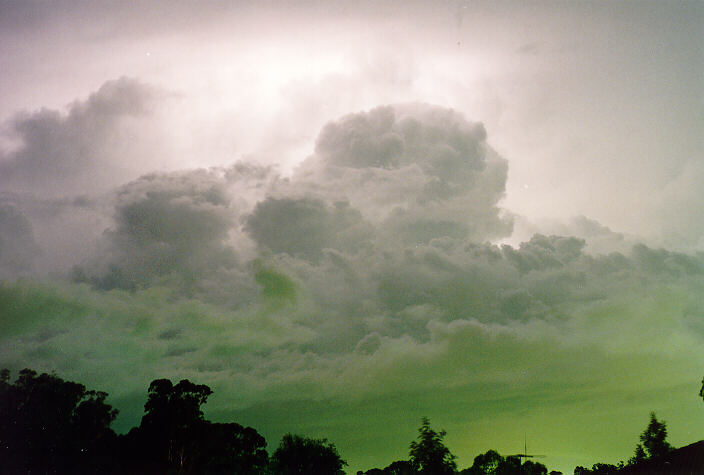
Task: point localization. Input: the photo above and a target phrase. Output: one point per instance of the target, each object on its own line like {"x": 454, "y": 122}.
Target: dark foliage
{"x": 598, "y": 469}
{"x": 491, "y": 462}
{"x": 686, "y": 460}
{"x": 399, "y": 467}
{"x": 172, "y": 418}
{"x": 49, "y": 425}
{"x": 531, "y": 467}
{"x": 302, "y": 455}
{"x": 428, "y": 454}
{"x": 653, "y": 441}
{"x": 174, "y": 437}
{"x": 485, "y": 463}
{"x": 230, "y": 448}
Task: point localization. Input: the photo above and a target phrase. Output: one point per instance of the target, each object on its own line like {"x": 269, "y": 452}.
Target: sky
{"x": 345, "y": 216}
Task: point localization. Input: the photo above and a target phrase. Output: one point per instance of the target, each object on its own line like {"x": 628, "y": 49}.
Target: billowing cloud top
{"x": 416, "y": 167}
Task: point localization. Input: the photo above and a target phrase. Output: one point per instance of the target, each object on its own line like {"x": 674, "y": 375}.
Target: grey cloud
{"x": 169, "y": 224}
{"x": 543, "y": 252}
{"x": 658, "y": 261}
{"x": 369, "y": 344}
{"x": 598, "y": 238}
{"x": 64, "y": 230}
{"x": 418, "y": 167}
{"x": 151, "y": 210}
{"x": 362, "y": 140}
{"x": 306, "y": 226}
{"x": 18, "y": 248}
{"x": 439, "y": 140}
{"x": 449, "y": 279}
{"x": 85, "y": 150}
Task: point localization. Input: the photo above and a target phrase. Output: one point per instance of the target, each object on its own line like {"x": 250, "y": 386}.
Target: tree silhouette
{"x": 51, "y": 425}
{"x": 399, "y": 467}
{"x": 493, "y": 463}
{"x": 638, "y": 456}
{"x": 531, "y": 467}
{"x": 428, "y": 454}
{"x": 168, "y": 436}
{"x": 485, "y": 464}
{"x": 701, "y": 391}
{"x": 510, "y": 465}
{"x": 230, "y": 448}
{"x": 653, "y": 439}
{"x": 297, "y": 455}
{"x": 599, "y": 469}
{"x": 174, "y": 437}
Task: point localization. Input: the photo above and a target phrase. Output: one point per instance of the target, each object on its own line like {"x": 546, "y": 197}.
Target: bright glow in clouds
{"x": 345, "y": 216}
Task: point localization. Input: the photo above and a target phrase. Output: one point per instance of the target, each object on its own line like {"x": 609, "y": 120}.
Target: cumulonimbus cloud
{"x": 375, "y": 268}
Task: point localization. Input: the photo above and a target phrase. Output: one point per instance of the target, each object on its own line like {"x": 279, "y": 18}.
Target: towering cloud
{"x": 423, "y": 170}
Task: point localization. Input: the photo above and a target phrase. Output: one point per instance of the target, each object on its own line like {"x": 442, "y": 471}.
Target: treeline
{"x": 48, "y": 425}
{"x": 429, "y": 455}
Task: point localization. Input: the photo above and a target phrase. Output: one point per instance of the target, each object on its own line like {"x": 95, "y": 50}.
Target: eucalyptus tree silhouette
{"x": 174, "y": 436}
{"x": 172, "y": 419}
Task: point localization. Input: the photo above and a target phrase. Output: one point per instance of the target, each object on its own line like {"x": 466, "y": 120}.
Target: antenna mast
{"x": 525, "y": 455}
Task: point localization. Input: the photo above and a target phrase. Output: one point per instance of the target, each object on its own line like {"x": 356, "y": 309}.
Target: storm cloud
{"x": 378, "y": 260}
{"x": 342, "y": 222}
